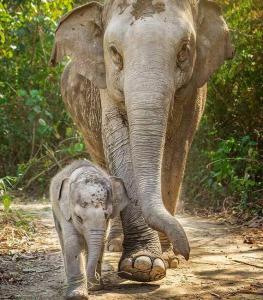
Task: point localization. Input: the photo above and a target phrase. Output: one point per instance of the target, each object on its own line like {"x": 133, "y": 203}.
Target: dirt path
{"x": 221, "y": 266}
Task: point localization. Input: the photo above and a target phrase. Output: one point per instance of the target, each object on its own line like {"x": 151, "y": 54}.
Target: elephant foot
{"x": 115, "y": 238}
{"x": 142, "y": 254}
{"x": 142, "y": 266}
{"x": 77, "y": 293}
{"x": 115, "y": 244}
{"x": 95, "y": 283}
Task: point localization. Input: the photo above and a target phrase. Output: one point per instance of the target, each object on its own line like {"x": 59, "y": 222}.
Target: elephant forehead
{"x": 93, "y": 194}
{"x": 95, "y": 190}
{"x": 146, "y": 8}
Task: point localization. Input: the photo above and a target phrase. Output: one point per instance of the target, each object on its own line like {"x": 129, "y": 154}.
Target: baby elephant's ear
{"x": 119, "y": 196}
{"x": 63, "y": 198}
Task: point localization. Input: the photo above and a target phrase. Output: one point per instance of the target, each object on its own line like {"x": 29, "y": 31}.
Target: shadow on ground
{"x": 221, "y": 267}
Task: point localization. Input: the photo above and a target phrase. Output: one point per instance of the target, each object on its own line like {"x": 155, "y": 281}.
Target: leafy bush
{"x": 37, "y": 135}
{"x": 231, "y": 177}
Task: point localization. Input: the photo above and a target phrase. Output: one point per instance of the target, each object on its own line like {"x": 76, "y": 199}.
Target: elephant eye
{"x": 183, "y": 53}
{"x": 116, "y": 57}
{"x": 79, "y": 219}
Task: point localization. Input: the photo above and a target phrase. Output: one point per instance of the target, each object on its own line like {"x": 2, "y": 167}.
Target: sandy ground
{"x": 221, "y": 266}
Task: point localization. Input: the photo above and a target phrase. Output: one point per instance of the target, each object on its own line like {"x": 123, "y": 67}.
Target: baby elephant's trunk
{"x": 95, "y": 242}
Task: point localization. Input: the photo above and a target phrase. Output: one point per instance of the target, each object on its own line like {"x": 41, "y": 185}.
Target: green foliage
{"x": 6, "y": 200}
{"x": 35, "y": 130}
{"x": 6, "y": 184}
{"x": 18, "y": 220}
{"x": 24, "y": 220}
{"x": 38, "y": 137}
{"x": 231, "y": 177}
{"x": 225, "y": 165}
{"x": 235, "y": 169}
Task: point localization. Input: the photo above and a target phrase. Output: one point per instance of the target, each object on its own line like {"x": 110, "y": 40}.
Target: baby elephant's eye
{"x": 79, "y": 219}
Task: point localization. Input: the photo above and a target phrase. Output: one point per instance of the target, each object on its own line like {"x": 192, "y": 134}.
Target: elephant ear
{"x": 63, "y": 197}
{"x": 79, "y": 35}
{"x": 119, "y": 197}
{"x": 213, "y": 41}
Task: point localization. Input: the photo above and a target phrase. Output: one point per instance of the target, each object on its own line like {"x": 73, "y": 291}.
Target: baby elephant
{"x": 83, "y": 199}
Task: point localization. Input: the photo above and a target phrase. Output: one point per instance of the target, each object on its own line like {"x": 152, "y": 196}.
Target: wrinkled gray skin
{"x": 83, "y": 199}
{"x": 136, "y": 88}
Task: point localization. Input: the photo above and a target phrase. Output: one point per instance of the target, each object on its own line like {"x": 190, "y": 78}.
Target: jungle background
{"x": 37, "y": 137}
{"x": 223, "y": 178}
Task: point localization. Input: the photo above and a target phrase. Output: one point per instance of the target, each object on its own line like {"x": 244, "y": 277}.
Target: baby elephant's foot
{"x": 115, "y": 244}
{"x": 171, "y": 260}
{"x": 143, "y": 267}
{"x": 95, "y": 284}
{"x": 77, "y": 293}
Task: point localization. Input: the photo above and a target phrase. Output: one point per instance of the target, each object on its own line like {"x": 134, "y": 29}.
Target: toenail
{"x": 158, "y": 263}
{"x": 143, "y": 263}
{"x": 126, "y": 264}
{"x": 174, "y": 263}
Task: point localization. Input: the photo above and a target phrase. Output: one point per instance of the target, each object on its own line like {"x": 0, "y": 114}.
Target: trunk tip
{"x": 184, "y": 250}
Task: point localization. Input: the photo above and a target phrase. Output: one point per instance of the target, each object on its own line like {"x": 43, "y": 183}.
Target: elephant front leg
{"x": 141, "y": 258}
{"x": 115, "y": 237}
{"x": 73, "y": 261}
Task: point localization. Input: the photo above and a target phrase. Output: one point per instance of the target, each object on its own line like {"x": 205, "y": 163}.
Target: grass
{"x": 17, "y": 229}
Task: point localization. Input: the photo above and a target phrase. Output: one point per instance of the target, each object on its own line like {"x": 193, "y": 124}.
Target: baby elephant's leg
{"x": 73, "y": 260}
{"x": 115, "y": 237}
{"x": 59, "y": 232}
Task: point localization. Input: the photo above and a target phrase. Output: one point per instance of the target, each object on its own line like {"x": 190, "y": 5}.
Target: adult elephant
{"x": 136, "y": 88}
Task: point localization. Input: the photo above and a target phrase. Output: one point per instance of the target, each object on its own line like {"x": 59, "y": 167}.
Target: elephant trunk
{"x": 148, "y": 93}
{"x": 95, "y": 242}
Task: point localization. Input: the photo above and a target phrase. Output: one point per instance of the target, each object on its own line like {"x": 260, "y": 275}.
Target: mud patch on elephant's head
{"x": 123, "y": 4}
{"x": 146, "y": 8}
